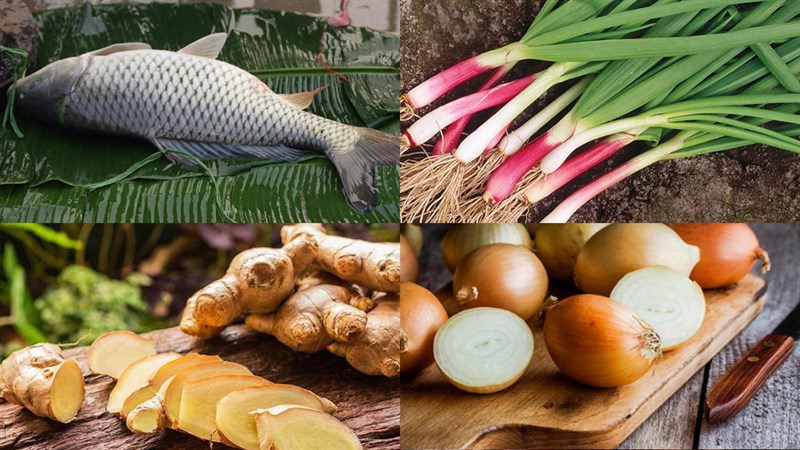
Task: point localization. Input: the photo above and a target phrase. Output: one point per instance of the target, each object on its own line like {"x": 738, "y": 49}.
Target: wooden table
{"x": 368, "y": 405}
{"x": 771, "y": 418}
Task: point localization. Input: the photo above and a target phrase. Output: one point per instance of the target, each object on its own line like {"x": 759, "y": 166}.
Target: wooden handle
{"x": 741, "y": 382}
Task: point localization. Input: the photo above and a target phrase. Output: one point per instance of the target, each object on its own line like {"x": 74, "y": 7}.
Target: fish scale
{"x": 189, "y": 102}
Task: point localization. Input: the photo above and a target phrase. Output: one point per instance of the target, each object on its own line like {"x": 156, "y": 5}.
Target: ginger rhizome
{"x": 377, "y": 350}
{"x": 41, "y": 380}
{"x": 257, "y": 281}
{"x": 373, "y": 265}
{"x": 314, "y": 317}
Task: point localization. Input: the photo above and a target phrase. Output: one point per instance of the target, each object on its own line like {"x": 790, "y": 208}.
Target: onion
{"x": 483, "y": 350}
{"x": 558, "y": 245}
{"x": 421, "y": 315}
{"x": 619, "y": 249}
{"x": 409, "y": 266}
{"x": 668, "y": 301}
{"x": 413, "y": 234}
{"x": 597, "y": 341}
{"x": 448, "y": 300}
{"x": 727, "y": 252}
{"x": 462, "y": 239}
{"x": 503, "y": 276}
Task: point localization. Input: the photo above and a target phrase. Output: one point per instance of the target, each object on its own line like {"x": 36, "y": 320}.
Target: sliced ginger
{"x": 39, "y": 379}
{"x": 314, "y": 317}
{"x": 166, "y": 372}
{"x": 235, "y": 423}
{"x": 257, "y": 281}
{"x": 148, "y": 416}
{"x": 113, "y": 352}
{"x": 374, "y": 265}
{"x": 135, "y": 377}
{"x": 173, "y": 394}
{"x": 199, "y": 402}
{"x": 290, "y": 427}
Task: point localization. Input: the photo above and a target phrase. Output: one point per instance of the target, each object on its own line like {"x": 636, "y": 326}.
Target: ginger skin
{"x": 375, "y": 266}
{"x": 377, "y": 350}
{"x": 28, "y": 378}
{"x": 257, "y": 281}
{"x": 149, "y": 417}
{"x": 314, "y": 317}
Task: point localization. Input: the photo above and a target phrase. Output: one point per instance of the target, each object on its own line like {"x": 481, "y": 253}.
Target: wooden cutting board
{"x": 368, "y": 405}
{"x": 545, "y": 409}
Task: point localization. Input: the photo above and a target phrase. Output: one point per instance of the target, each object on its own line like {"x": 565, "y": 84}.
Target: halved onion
{"x": 668, "y": 301}
{"x": 483, "y": 350}
{"x": 619, "y": 249}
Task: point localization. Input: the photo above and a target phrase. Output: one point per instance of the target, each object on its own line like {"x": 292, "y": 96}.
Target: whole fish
{"x": 187, "y": 100}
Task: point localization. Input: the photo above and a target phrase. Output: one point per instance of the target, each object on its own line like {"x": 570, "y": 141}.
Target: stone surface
{"x": 756, "y": 183}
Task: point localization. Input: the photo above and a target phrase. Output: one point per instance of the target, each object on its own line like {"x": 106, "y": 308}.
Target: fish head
{"x": 41, "y": 94}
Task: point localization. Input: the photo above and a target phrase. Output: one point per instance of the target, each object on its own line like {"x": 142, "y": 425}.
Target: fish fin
{"x": 356, "y": 166}
{"x": 124, "y": 47}
{"x": 302, "y": 100}
{"x": 206, "y": 47}
{"x": 213, "y": 150}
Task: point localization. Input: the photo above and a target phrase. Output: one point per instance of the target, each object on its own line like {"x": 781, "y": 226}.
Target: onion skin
{"x": 460, "y": 240}
{"x": 619, "y": 249}
{"x": 409, "y": 266}
{"x": 504, "y": 276}
{"x": 727, "y": 252}
{"x": 448, "y": 300}
{"x": 421, "y": 316}
{"x": 413, "y": 234}
{"x": 558, "y": 245}
{"x": 599, "y": 342}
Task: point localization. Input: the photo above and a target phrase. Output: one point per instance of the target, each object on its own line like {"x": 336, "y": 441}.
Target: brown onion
{"x": 421, "y": 315}
{"x": 503, "y": 276}
{"x": 409, "y": 266}
{"x": 597, "y": 341}
{"x": 619, "y": 249}
{"x": 558, "y": 245}
{"x": 413, "y": 234}
{"x": 727, "y": 252}
{"x": 448, "y": 300}
{"x": 462, "y": 239}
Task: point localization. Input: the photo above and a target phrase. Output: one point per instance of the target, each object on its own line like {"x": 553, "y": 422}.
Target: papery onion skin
{"x": 413, "y": 234}
{"x": 448, "y": 300}
{"x": 599, "y": 342}
{"x": 421, "y": 316}
{"x": 504, "y": 276}
{"x": 727, "y": 252}
{"x": 460, "y": 240}
{"x": 409, "y": 266}
{"x": 558, "y": 245}
{"x": 619, "y": 249}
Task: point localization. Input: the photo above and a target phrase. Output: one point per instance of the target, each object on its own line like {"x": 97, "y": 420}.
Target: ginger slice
{"x": 233, "y": 418}
{"x": 288, "y": 427}
{"x": 148, "y": 416}
{"x": 199, "y": 402}
{"x": 173, "y": 394}
{"x": 166, "y": 371}
{"x": 113, "y": 352}
{"x": 39, "y": 379}
{"x": 136, "y": 376}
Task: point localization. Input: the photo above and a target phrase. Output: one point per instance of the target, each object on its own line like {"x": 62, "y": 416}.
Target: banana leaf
{"x": 40, "y": 174}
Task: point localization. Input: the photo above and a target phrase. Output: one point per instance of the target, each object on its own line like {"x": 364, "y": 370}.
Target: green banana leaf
{"x": 41, "y": 173}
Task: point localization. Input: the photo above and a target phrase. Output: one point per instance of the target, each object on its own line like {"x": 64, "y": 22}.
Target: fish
{"x": 190, "y": 101}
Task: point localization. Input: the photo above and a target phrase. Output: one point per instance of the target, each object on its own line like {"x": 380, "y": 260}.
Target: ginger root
{"x": 377, "y": 350}
{"x": 39, "y": 379}
{"x": 375, "y": 266}
{"x": 314, "y": 317}
{"x": 257, "y": 281}
{"x": 149, "y": 416}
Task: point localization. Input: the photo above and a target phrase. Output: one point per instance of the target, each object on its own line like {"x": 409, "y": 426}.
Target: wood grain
{"x": 740, "y": 383}
{"x": 369, "y": 405}
{"x": 546, "y": 409}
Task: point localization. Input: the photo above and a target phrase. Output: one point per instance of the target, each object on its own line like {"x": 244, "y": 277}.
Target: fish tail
{"x": 356, "y": 165}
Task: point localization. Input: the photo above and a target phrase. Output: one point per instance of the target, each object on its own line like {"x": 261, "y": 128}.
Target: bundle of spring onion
{"x": 691, "y": 76}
